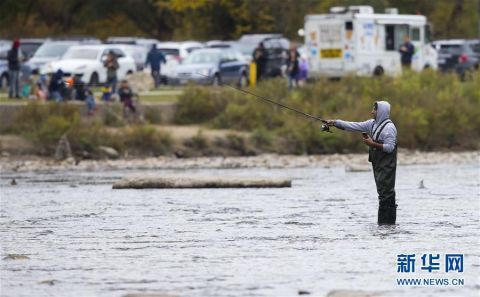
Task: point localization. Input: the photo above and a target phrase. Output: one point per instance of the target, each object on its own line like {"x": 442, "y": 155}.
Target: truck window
{"x": 390, "y": 37}
{"x": 394, "y": 36}
{"x": 415, "y": 34}
{"x": 427, "y": 33}
{"x": 349, "y": 26}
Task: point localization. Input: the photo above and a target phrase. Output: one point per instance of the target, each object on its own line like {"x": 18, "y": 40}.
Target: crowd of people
{"x": 56, "y": 87}
{"x": 295, "y": 67}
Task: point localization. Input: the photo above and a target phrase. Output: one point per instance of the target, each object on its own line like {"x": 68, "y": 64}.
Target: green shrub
{"x": 140, "y": 139}
{"x": 200, "y": 104}
{"x": 431, "y": 111}
{"x": 234, "y": 143}
{"x": 153, "y": 116}
{"x": 262, "y": 139}
{"x": 113, "y": 115}
{"x": 44, "y": 124}
{"x": 88, "y": 137}
{"x": 197, "y": 142}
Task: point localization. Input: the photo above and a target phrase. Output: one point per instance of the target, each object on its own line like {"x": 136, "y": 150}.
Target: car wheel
{"x": 216, "y": 80}
{"x": 4, "y": 81}
{"x": 243, "y": 82}
{"x": 378, "y": 71}
{"x": 94, "y": 81}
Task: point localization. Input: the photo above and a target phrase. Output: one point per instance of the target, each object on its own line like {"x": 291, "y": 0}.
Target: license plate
{"x": 331, "y": 53}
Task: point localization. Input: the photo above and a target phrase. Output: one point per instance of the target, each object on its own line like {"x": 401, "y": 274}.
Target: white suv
{"x": 87, "y": 60}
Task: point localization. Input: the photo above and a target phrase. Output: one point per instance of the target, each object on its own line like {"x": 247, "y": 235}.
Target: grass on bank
{"x": 431, "y": 110}
{"x": 44, "y": 125}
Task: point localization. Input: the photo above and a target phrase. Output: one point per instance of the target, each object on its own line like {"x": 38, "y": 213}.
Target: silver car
{"x": 212, "y": 66}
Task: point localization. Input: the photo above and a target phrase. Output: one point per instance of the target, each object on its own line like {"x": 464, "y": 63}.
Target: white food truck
{"x": 355, "y": 40}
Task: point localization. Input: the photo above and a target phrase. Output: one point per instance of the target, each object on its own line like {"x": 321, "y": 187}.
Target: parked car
{"x": 220, "y": 44}
{"x": 53, "y": 50}
{"x": 179, "y": 50}
{"x": 3, "y": 73}
{"x": 174, "y": 53}
{"x": 30, "y": 45}
{"x": 213, "y": 66}
{"x": 457, "y": 55}
{"x": 87, "y": 60}
{"x": 138, "y": 53}
{"x": 276, "y": 46}
{"x": 475, "y": 46}
{"x": 145, "y": 42}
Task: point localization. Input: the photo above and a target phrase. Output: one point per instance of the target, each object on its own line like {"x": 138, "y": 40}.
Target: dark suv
{"x": 276, "y": 46}
{"x": 457, "y": 55}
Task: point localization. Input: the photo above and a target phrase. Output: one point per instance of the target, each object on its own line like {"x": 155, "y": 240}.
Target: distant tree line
{"x": 209, "y": 19}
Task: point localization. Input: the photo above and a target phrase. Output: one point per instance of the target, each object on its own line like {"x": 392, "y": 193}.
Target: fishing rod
{"x": 325, "y": 126}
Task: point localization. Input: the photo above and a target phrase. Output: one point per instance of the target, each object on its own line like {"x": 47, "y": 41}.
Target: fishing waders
{"x": 384, "y": 169}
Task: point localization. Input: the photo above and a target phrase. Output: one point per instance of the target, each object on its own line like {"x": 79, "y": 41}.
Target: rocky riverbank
{"x": 352, "y": 162}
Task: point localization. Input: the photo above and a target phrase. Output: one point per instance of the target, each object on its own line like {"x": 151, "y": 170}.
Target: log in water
{"x": 162, "y": 182}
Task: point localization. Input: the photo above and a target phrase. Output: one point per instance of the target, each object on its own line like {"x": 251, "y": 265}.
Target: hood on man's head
{"x": 383, "y": 110}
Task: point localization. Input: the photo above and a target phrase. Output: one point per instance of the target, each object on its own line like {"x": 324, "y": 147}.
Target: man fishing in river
{"x": 380, "y": 135}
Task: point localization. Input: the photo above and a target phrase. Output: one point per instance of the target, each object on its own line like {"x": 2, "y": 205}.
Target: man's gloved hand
{"x": 330, "y": 122}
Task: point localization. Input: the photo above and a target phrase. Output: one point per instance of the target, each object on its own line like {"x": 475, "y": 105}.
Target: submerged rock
{"x": 110, "y": 152}
{"x": 160, "y": 182}
{"x": 50, "y": 282}
{"x": 63, "y": 150}
{"x": 421, "y": 186}
{"x": 16, "y": 257}
{"x": 357, "y": 168}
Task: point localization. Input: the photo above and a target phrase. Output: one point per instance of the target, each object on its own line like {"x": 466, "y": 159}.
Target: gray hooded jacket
{"x": 388, "y": 136}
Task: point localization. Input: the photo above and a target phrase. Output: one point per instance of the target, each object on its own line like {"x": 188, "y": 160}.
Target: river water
{"x": 86, "y": 239}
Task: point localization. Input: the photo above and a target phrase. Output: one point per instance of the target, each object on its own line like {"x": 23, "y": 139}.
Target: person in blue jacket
{"x": 406, "y": 51}
{"x": 155, "y": 58}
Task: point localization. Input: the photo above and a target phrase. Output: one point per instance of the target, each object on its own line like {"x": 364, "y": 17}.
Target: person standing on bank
{"x": 13, "y": 57}
{"x": 154, "y": 59}
{"x": 112, "y": 66}
{"x": 260, "y": 58}
{"x": 380, "y": 135}
{"x": 406, "y": 51}
{"x": 292, "y": 67}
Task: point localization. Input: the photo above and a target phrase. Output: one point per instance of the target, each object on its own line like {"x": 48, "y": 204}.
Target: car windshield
{"x": 202, "y": 58}
{"x": 77, "y": 53}
{"x": 475, "y": 47}
{"x": 246, "y": 48}
{"x": 51, "y": 50}
{"x": 169, "y": 51}
{"x": 29, "y": 48}
{"x": 449, "y": 48}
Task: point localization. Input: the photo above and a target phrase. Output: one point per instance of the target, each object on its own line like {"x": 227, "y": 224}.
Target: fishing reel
{"x": 326, "y": 128}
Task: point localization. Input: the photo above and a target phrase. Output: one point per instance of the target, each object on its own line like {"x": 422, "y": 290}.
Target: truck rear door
{"x": 331, "y": 44}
